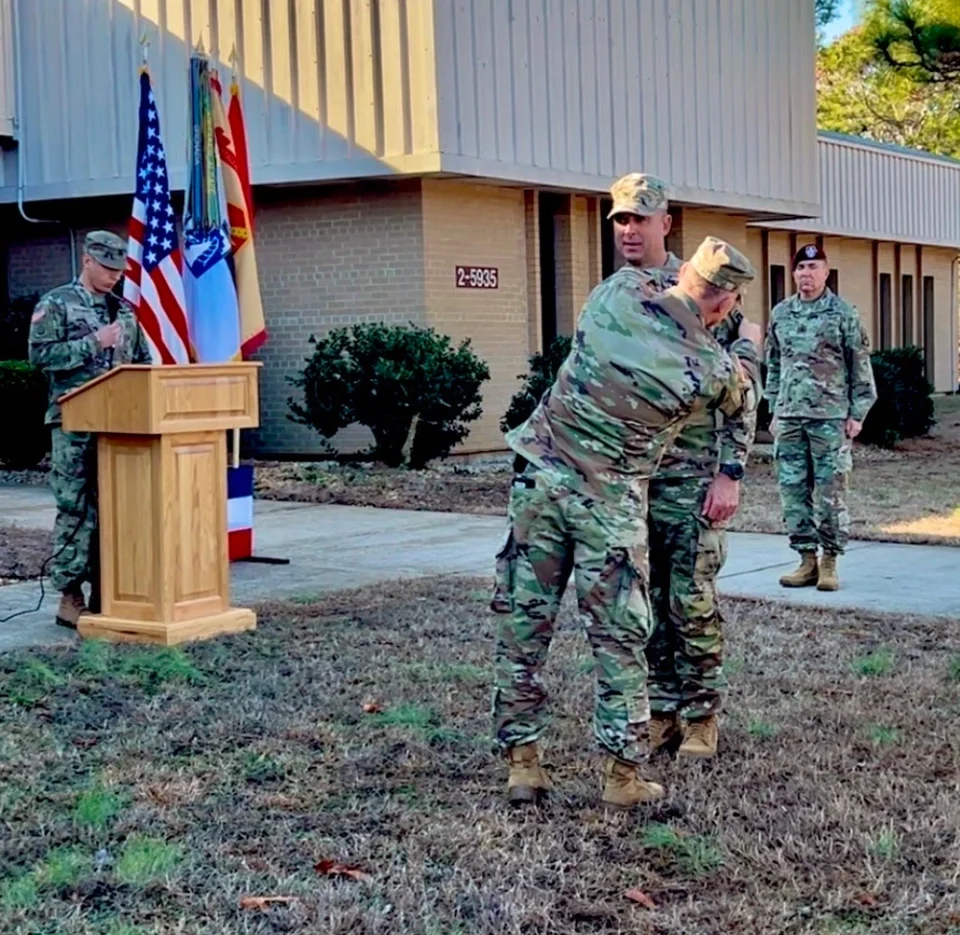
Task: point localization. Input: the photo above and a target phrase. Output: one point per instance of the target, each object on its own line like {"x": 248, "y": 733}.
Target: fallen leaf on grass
{"x": 331, "y": 868}
{"x": 638, "y": 896}
{"x": 866, "y": 899}
{"x": 372, "y": 707}
{"x": 261, "y": 902}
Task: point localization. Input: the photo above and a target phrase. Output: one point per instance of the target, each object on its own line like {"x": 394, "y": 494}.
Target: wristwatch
{"x": 733, "y": 471}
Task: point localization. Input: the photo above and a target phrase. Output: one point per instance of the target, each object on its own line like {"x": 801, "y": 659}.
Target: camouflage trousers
{"x": 814, "y": 458}
{"x": 553, "y": 531}
{"x": 73, "y": 477}
{"x": 685, "y": 653}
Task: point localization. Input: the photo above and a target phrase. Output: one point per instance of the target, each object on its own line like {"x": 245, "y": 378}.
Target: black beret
{"x": 808, "y": 252}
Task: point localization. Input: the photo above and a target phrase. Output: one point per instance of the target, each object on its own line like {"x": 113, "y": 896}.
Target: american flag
{"x": 153, "y": 282}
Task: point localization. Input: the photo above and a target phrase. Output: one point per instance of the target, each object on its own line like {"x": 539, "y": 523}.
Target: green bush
{"x": 543, "y": 371}
{"x": 904, "y": 407}
{"x": 384, "y": 377}
{"x": 23, "y": 397}
{"x": 15, "y": 327}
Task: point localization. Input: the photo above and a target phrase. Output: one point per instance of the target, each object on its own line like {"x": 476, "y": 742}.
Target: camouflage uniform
{"x": 687, "y": 550}
{"x": 63, "y": 345}
{"x": 818, "y": 375}
{"x": 653, "y": 280}
{"x": 638, "y": 369}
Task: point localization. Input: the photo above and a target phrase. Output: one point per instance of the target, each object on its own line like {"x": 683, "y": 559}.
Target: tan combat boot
{"x": 624, "y": 788}
{"x": 71, "y": 607}
{"x": 527, "y": 782}
{"x": 700, "y": 737}
{"x": 806, "y": 574}
{"x": 663, "y": 728}
{"x": 828, "y": 580}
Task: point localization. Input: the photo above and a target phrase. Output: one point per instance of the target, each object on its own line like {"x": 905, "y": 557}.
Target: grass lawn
{"x": 337, "y": 759}
{"x": 911, "y": 494}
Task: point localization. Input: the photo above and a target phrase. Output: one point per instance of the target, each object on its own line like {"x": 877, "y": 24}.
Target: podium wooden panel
{"x": 162, "y": 490}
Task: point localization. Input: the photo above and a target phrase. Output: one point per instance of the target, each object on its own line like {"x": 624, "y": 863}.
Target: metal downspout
{"x": 21, "y": 137}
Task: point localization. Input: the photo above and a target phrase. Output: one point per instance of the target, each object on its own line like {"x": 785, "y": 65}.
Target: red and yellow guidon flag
{"x": 235, "y": 169}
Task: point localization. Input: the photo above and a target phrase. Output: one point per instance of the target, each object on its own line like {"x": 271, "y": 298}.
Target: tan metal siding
{"x": 880, "y": 193}
{"x": 331, "y": 88}
{"x": 715, "y": 95}
{"x": 8, "y": 91}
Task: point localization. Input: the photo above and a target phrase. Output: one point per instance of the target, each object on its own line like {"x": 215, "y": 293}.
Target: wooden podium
{"x": 162, "y": 491}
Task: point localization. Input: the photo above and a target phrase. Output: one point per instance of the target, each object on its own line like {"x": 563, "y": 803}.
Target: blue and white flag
{"x": 208, "y": 281}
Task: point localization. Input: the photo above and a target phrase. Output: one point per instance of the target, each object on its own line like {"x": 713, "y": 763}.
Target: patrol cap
{"x": 722, "y": 265}
{"x": 106, "y": 248}
{"x": 807, "y": 253}
{"x": 638, "y": 193}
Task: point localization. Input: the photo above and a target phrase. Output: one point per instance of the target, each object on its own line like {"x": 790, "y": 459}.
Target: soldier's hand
{"x": 773, "y": 426}
{"x": 723, "y": 499}
{"x": 751, "y": 331}
{"x": 853, "y": 428}
{"x": 109, "y": 335}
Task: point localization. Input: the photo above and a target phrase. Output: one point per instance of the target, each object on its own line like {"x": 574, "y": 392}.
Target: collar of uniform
{"x": 88, "y": 297}
{"x": 673, "y": 263}
{"x": 678, "y": 293}
{"x": 821, "y": 301}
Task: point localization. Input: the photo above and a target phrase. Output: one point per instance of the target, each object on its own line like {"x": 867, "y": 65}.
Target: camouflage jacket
{"x": 710, "y": 438}
{"x": 638, "y": 369}
{"x": 63, "y": 345}
{"x": 818, "y": 360}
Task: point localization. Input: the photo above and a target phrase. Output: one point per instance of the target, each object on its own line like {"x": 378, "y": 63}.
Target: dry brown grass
{"x": 146, "y": 791}
{"x": 910, "y": 494}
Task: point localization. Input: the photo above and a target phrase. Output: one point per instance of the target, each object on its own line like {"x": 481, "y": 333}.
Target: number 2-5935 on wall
{"x": 477, "y": 277}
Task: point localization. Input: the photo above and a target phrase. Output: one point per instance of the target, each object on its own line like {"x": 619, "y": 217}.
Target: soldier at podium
{"x": 79, "y": 331}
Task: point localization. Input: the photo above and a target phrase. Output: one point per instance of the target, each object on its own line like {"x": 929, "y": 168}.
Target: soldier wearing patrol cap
{"x": 641, "y": 223}
{"x": 820, "y": 387}
{"x": 639, "y": 369}
{"x": 79, "y": 331}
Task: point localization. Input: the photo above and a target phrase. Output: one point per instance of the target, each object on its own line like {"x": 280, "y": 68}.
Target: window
{"x": 549, "y": 206}
{"x": 607, "y": 249}
{"x": 886, "y": 312}
{"x": 778, "y": 285}
{"x": 833, "y": 281}
{"x": 906, "y": 310}
{"x": 929, "y": 322}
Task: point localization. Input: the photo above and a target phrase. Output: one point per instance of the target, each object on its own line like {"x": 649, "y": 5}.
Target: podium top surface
{"x": 141, "y": 399}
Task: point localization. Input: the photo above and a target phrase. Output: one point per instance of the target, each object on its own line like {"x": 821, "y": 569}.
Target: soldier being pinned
{"x": 79, "y": 331}
{"x": 638, "y": 370}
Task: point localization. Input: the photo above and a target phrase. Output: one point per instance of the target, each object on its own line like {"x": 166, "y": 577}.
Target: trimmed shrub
{"x": 408, "y": 385}
{"x": 543, "y": 371}
{"x": 904, "y": 407}
{"x": 25, "y": 440}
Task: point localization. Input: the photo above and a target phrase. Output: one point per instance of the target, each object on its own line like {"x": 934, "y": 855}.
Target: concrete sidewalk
{"x": 331, "y": 547}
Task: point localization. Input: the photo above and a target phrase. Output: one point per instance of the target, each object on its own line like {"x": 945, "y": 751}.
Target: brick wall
{"x": 532, "y": 225}
{"x": 330, "y": 257}
{"x": 578, "y": 257}
{"x": 699, "y": 223}
{"x": 38, "y": 255}
{"x": 853, "y": 261}
{"x": 480, "y": 225}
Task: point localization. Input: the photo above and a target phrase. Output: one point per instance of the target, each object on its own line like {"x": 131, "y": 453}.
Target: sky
{"x": 848, "y": 16}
